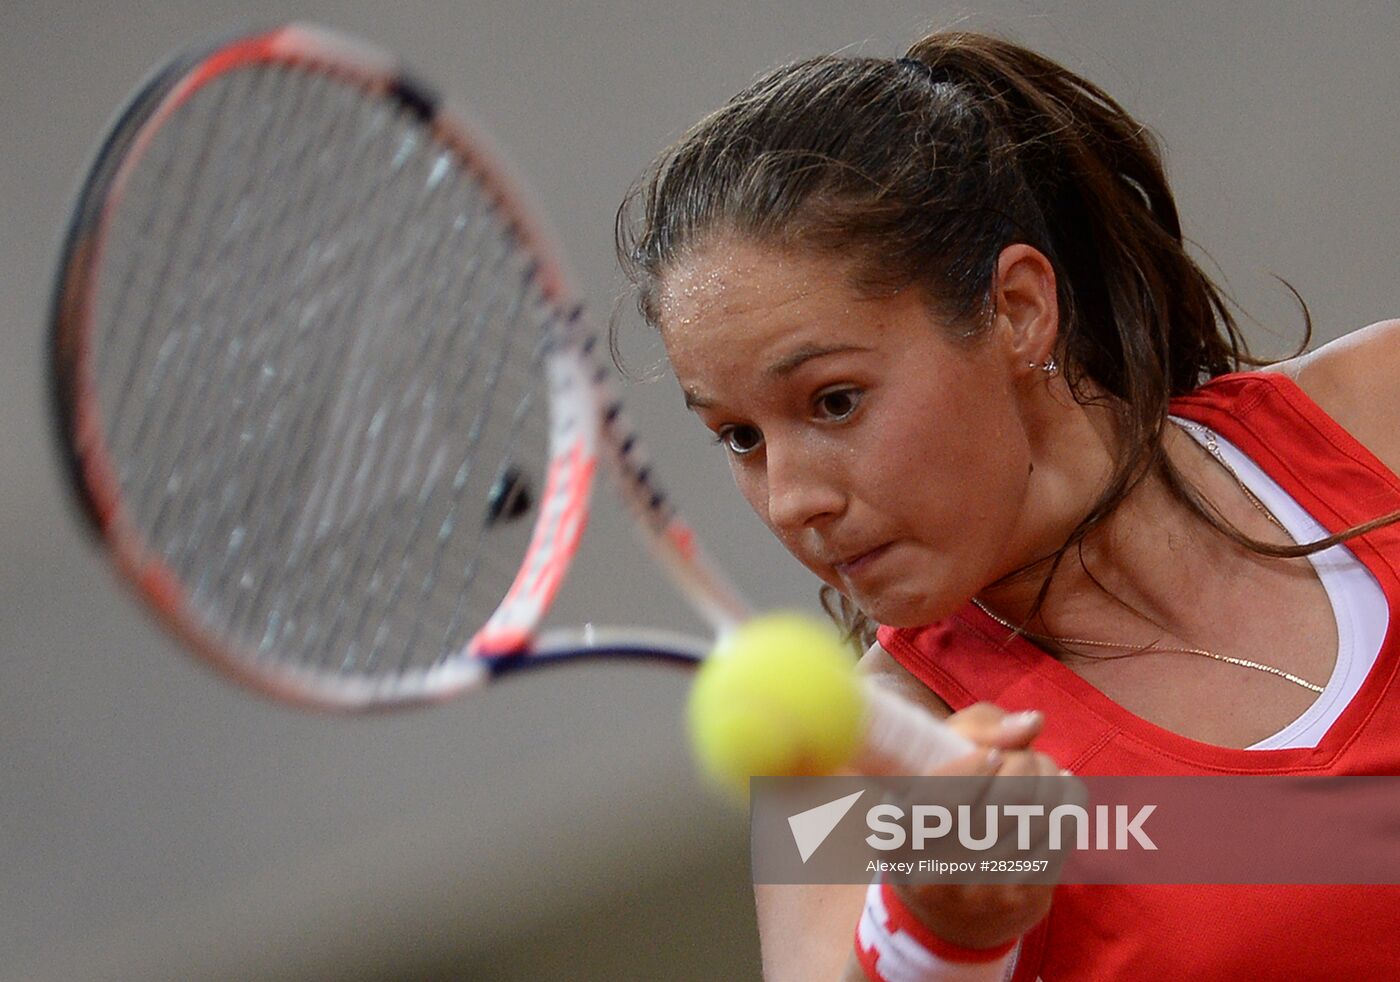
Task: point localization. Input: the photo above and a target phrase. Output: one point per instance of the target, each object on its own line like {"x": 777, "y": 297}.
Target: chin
{"x": 908, "y": 611}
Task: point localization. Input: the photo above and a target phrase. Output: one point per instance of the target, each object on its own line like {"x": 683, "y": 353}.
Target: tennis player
{"x": 938, "y": 312}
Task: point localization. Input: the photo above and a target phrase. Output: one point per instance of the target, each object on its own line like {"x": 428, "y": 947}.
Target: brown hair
{"x": 923, "y": 169}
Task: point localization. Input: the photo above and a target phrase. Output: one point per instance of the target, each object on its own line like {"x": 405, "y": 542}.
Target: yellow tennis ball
{"x": 778, "y": 696}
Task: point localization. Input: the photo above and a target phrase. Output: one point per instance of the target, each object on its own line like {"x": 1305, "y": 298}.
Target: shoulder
{"x": 1356, "y": 380}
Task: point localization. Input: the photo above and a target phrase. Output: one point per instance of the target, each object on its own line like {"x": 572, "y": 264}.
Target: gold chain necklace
{"x": 1213, "y": 447}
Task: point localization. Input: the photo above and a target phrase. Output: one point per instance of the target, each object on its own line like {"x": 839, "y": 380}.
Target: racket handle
{"x": 904, "y": 738}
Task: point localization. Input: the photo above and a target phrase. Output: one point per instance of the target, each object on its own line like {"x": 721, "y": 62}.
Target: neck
{"x": 1153, "y": 570}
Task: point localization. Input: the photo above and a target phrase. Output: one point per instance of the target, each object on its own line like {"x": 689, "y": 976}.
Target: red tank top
{"x": 1197, "y": 932}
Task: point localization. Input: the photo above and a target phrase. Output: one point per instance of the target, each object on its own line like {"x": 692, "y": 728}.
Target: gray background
{"x": 158, "y": 823}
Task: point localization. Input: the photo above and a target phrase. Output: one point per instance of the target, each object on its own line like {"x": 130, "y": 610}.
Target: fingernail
{"x": 1023, "y": 720}
{"x": 993, "y": 758}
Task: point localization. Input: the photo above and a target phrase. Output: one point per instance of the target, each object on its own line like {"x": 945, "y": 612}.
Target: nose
{"x": 805, "y": 487}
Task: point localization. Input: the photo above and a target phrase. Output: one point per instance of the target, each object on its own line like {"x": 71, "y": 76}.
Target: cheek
{"x": 958, "y": 461}
{"x": 749, "y": 481}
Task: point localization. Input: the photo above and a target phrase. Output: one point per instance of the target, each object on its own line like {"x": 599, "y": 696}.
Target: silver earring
{"x": 1051, "y": 367}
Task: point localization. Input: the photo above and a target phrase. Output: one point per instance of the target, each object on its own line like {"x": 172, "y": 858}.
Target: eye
{"x": 837, "y": 405}
{"x": 739, "y": 440}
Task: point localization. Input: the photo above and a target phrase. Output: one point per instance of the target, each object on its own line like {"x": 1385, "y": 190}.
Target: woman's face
{"x": 888, "y": 455}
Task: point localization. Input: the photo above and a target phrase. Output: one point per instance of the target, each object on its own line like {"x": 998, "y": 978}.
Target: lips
{"x": 861, "y": 561}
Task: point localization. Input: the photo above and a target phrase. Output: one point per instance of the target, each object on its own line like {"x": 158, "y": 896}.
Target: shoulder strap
{"x": 1322, "y": 466}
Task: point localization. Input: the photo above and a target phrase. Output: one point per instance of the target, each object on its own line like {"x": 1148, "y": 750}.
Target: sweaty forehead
{"x": 735, "y": 278}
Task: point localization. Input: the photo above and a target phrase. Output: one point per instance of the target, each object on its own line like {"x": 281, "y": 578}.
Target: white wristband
{"x": 894, "y": 946}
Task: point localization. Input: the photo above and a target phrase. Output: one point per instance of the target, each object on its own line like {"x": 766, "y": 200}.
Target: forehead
{"x": 735, "y": 277}
{"x": 739, "y": 320}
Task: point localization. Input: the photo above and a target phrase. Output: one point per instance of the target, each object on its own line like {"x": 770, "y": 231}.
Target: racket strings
{"x": 392, "y": 530}
{"x": 175, "y": 232}
{"x": 199, "y": 321}
{"x": 340, "y": 357}
{"x": 210, "y": 359}
{"x": 253, "y": 352}
{"x": 464, "y": 619}
{"x": 340, "y": 461}
{"x": 246, "y": 359}
{"x": 404, "y": 531}
{"x": 336, "y": 489}
{"x": 161, "y": 172}
{"x": 184, "y": 150}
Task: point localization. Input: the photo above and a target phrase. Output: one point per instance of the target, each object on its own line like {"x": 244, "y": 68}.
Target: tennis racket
{"x": 328, "y": 398}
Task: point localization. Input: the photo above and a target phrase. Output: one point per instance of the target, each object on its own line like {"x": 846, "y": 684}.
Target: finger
{"x": 991, "y": 726}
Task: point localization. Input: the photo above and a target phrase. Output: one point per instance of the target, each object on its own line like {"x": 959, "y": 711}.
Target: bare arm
{"x": 806, "y": 931}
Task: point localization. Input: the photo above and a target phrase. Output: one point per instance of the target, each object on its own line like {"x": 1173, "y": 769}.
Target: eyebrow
{"x": 783, "y": 367}
{"x": 790, "y": 363}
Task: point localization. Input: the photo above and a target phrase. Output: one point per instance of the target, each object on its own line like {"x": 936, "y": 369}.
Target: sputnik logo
{"x": 811, "y": 827}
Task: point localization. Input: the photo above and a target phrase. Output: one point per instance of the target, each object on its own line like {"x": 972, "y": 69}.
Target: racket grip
{"x": 903, "y": 738}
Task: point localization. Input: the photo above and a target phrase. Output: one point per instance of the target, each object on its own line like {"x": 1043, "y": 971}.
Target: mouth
{"x": 860, "y": 562}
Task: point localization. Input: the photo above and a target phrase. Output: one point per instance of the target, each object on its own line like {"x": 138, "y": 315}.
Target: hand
{"x": 983, "y": 915}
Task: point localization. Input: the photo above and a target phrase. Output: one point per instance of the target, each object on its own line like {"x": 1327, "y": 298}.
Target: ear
{"x": 1027, "y": 309}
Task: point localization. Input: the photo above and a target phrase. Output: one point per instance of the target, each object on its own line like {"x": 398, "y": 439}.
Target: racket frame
{"x": 587, "y": 421}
